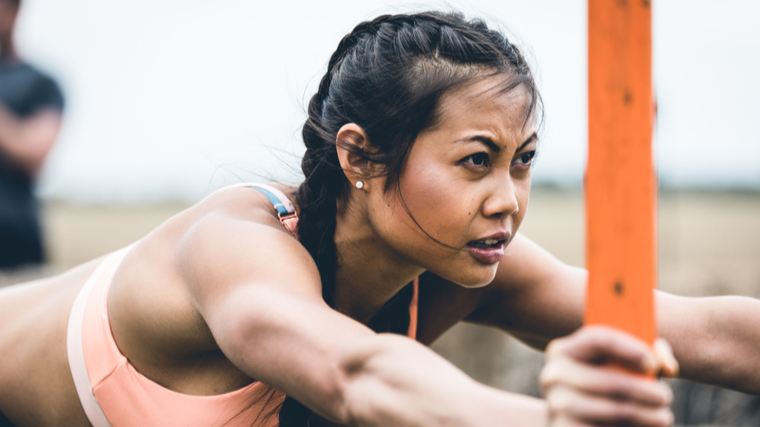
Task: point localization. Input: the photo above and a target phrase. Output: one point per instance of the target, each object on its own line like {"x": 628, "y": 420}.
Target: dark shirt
{"x": 23, "y": 90}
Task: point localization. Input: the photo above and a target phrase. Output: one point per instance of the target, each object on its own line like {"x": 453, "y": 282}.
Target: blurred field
{"x": 75, "y": 234}
{"x": 709, "y": 245}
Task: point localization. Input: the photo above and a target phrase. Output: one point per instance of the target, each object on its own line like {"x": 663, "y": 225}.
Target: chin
{"x": 477, "y": 278}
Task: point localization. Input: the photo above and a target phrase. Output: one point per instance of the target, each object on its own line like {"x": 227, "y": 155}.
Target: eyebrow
{"x": 492, "y": 145}
{"x": 530, "y": 139}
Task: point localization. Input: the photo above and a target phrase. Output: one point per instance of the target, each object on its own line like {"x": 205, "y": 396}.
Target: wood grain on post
{"x": 621, "y": 187}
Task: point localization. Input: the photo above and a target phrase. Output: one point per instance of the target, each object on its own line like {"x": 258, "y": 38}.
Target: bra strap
{"x": 289, "y": 218}
{"x": 414, "y": 309}
{"x": 285, "y": 209}
{"x": 75, "y": 346}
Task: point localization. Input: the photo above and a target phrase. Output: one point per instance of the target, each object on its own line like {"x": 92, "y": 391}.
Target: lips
{"x": 489, "y": 250}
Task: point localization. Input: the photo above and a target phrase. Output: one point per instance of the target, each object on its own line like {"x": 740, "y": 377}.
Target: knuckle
{"x": 555, "y": 347}
{"x": 554, "y": 373}
{"x": 548, "y": 376}
{"x": 559, "y": 401}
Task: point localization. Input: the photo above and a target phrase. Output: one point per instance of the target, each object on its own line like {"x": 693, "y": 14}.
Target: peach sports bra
{"x": 114, "y": 394}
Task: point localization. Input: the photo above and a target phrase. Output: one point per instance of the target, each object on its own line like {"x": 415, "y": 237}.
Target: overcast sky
{"x": 170, "y": 99}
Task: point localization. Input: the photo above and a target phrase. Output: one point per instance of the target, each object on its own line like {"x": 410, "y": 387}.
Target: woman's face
{"x": 466, "y": 183}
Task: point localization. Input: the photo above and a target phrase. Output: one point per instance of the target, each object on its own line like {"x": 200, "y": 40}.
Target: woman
{"x": 249, "y": 310}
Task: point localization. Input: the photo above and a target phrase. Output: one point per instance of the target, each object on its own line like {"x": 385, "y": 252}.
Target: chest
{"x": 443, "y": 304}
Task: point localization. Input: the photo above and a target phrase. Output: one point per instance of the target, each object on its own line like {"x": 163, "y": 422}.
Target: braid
{"x": 317, "y": 200}
{"x": 323, "y": 185}
{"x": 386, "y": 76}
{"x": 317, "y": 197}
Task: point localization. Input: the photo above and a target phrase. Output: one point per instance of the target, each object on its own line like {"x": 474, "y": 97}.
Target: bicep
{"x": 534, "y": 296}
{"x": 259, "y": 293}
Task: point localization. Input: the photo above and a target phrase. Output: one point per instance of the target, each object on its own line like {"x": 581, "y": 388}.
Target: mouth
{"x": 489, "y": 250}
{"x": 487, "y": 243}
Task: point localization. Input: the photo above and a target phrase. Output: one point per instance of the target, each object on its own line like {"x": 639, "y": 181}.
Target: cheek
{"x": 435, "y": 202}
{"x": 523, "y": 198}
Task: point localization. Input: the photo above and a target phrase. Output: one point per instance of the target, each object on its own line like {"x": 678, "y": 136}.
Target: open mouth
{"x": 486, "y": 243}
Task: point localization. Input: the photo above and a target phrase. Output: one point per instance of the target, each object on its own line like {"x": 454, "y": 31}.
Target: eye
{"x": 526, "y": 158}
{"x": 479, "y": 160}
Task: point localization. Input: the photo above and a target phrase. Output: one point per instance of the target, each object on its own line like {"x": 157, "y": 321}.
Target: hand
{"x": 582, "y": 390}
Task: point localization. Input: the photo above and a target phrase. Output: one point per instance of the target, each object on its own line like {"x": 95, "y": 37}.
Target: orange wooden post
{"x": 621, "y": 187}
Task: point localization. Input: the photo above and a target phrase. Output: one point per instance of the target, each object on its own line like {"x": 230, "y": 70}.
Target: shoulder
{"x": 235, "y": 235}
{"x": 175, "y": 288}
{"x": 236, "y": 219}
{"x": 244, "y": 202}
{"x": 531, "y": 288}
{"x": 230, "y": 239}
{"x": 37, "y": 76}
{"x": 527, "y": 268}
{"x": 28, "y": 89}
{"x": 534, "y": 296}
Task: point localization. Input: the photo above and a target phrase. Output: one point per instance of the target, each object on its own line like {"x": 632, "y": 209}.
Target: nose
{"x": 502, "y": 201}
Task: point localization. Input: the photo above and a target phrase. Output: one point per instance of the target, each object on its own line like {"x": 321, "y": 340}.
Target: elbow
{"x": 322, "y": 384}
{"x": 391, "y": 380}
{"x": 356, "y": 376}
{"x": 371, "y": 378}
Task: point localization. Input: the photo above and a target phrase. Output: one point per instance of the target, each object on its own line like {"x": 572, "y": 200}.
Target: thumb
{"x": 668, "y": 364}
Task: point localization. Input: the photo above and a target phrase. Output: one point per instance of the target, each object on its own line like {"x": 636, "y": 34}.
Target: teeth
{"x": 486, "y": 243}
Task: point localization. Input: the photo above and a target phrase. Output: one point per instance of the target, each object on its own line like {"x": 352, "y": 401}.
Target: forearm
{"x": 391, "y": 380}
{"x": 26, "y": 142}
{"x": 716, "y": 339}
{"x": 344, "y": 371}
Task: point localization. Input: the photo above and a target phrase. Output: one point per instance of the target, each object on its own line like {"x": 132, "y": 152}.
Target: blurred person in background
{"x": 30, "y": 118}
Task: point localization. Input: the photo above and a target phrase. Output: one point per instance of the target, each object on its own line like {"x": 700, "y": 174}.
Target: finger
{"x": 569, "y": 403}
{"x": 563, "y": 371}
{"x": 664, "y": 353}
{"x": 604, "y": 345}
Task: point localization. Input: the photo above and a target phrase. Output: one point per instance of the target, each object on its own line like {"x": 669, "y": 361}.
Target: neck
{"x": 369, "y": 272}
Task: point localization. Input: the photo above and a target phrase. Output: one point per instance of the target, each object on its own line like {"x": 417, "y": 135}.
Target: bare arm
{"x": 715, "y": 339}
{"x": 259, "y": 293}
{"x": 534, "y": 296}
{"x": 26, "y": 141}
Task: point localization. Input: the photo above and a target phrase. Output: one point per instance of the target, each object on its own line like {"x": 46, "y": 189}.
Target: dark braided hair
{"x": 387, "y": 76}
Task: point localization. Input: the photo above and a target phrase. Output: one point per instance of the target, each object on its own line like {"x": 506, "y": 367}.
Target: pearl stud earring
{"x": 359, "y": 185}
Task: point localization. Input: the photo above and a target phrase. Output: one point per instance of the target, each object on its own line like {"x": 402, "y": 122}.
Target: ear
{"x": 350, "y": 139}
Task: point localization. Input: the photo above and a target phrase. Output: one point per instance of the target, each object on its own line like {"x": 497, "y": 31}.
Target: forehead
{"x": 488, "y": 104}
